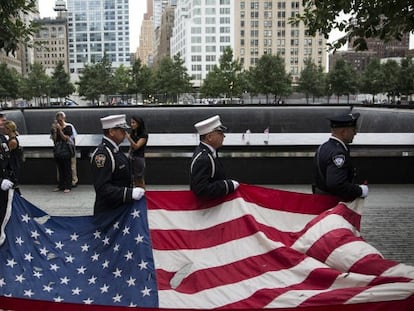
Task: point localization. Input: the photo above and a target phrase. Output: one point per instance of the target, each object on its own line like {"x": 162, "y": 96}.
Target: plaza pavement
{"x": 387, "y": 221}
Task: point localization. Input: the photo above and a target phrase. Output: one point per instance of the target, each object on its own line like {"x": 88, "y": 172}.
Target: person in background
{"x": 16, "y": 151}
{"x": 6, "y": 173}
{"x": 333, "y": 170}
{"x": 111, "y": 173}
{"x": 62, "y": 132}
{"x": 207, "y": 175}
{"x": 138, "y": 140}
{"x": 73, "y": 159}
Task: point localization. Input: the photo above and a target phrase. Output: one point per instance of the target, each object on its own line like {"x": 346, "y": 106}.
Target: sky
{"x": 137, "y": 9}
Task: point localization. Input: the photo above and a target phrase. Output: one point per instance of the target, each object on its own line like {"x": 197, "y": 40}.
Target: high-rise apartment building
{"x": 202, "y": 31}
{"x": 51, "y": 44}
{"x": 252, "y": 28}
{"x": 96, "y": 27}
{"x": 262, "y": 27}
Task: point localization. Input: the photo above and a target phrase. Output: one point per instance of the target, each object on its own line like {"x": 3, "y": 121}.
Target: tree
{"x": 270, "y": 77}
{"x": 343, "y": 79}
{"x": 391, "y": 70}
{"x": 9, "y": 82}
{"x": 311, "y": 80}
{"x": 358, "y": 19}
{"x": 60, "y": 82}
{"x": 171, "y": 78}
{"x": 121, "y": 80}
{"x": 372, "y": 79}
{"x": 14, "y": 30}
{"x": 406, "y": 77}
{"x": 38, "y": 83}
{"x": 141, "y": 80}
{"x": 212, "y": 85}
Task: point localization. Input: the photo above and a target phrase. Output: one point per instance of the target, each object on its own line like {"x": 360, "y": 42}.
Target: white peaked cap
{"x": 209, "y": 125}
{"x": 114, "y": 121}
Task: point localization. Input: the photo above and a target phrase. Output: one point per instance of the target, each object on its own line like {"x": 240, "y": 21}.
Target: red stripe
{"x": 372, "y": 264}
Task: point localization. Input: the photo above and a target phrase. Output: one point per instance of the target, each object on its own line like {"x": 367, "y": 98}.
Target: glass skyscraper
{"x": 96, "y": 27}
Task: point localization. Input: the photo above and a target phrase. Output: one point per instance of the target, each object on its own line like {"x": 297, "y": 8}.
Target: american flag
{"x": 256, "y": 248}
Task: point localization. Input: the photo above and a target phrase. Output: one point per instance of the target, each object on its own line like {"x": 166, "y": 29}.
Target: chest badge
{"x": 339, "y": 160}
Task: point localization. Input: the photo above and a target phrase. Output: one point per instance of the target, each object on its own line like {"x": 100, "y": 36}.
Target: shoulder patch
{"x": 339, "y": 160}
{"x": 100, "y": 160}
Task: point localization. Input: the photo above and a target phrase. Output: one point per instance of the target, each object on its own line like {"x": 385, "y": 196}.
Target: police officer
{"x": 333, "y": 170}
{"x": 207, "y": 176}
{"x": 6, "y": 172}
{"x": 111, "y": 171}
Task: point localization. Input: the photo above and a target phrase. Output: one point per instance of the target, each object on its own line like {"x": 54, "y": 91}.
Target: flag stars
{"x": 54, "y": 267}
{"x": 28, "y": 293}
{"x": 131, "y": 281}
{"x": 2, "y": 282}
{"x": 74, "y": 236}
{"x": 104, "y": 289}
{"x": 139, "y": 239}
{"x": 59, "y": 245}
{"x": 92, "y": 280}
{"x": 69, "y": 259}
{"x": 34, "y": 234}
{"x": 28, "y": 257}
{"x": 117, "y": 273}
{"x": 135, "y": 214}
{"x": 58, "y": 299}
{"x": 116, "y": 248}
{"x": 11, "y": 263}
{"x": 95, "y": 257}
{"x": 47, "y": 288}
{"x": 64, "y": 281}
{"x": 97, "y": 234}
{"x": 25, "y": 218}
{"x": 105, "y": 264}
{"x": 76, "y": 291}
{"x": 84, "y": 248}
{"x": 20, "y": 278}
{"x": 43, "y": 251}
{"x": 81, "y": 270}
{"x": 88, "y": 301}
{"x": 19, "y": 240}
{"x": 49, "y": 231}
{"x": 129, "y": 256}
{"x": 143, "y": 265}
{"x": 105, "y": 241}
{"x": 37, "y": 274}
{"x": 125, "y": 231}
{"x": 116, "y": 225}
{"x": 146, "y": 291}
{"x": 117, "y": 298}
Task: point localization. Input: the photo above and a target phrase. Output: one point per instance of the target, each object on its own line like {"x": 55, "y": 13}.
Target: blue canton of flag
{"x": 102, "y": 260}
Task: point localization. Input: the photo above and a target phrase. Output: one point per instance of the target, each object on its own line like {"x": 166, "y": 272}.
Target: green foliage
{"x": 9, "y": 82}
{"x": 312, "y": 80}
{"x": 358, "y": 19}
{"x": 372, "y": 79}
{"x": 13, "y": 30}
{"x": 343, "y": 79}
{"x": 60, "y": 82}
{"x": 270, "y": 77}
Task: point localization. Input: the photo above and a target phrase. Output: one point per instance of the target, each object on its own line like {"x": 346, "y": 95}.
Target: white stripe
{"x": 325, "y": 225}
{"x": 215, "y": 256}
{"x": 195, "y": 159}
{"x": 344, "y": 256}
{"x": 222, "y": 295}
{"x": 384, "y": 292}
{"x": 400, "y": 270}
{"x": 227, "y": 211}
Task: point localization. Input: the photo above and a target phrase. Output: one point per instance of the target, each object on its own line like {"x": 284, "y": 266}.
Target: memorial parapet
{"x": 383, "y": 148}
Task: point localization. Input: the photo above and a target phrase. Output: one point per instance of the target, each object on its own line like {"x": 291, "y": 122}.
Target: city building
{"x": 51, "y": 44}
{"x": 146, "y": 39}
{"x": 95, "y": 28}
{"x": 163, "y": 34}
{"x": 203, "y": 29}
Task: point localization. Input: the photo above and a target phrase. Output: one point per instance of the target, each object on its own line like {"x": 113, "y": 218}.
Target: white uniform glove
{"x": 364, "y": 189}
{"x": 6, "y": 185}
{"x": 235, "y": 184}
{"x": 137, "y": 193}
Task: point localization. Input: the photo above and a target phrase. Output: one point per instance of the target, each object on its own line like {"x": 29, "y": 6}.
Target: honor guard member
{"x": 333, "y": 170}
{"x": 6, "y": 173}
{"x": 207, "y": 176}
{"x": 111, "y": 171}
